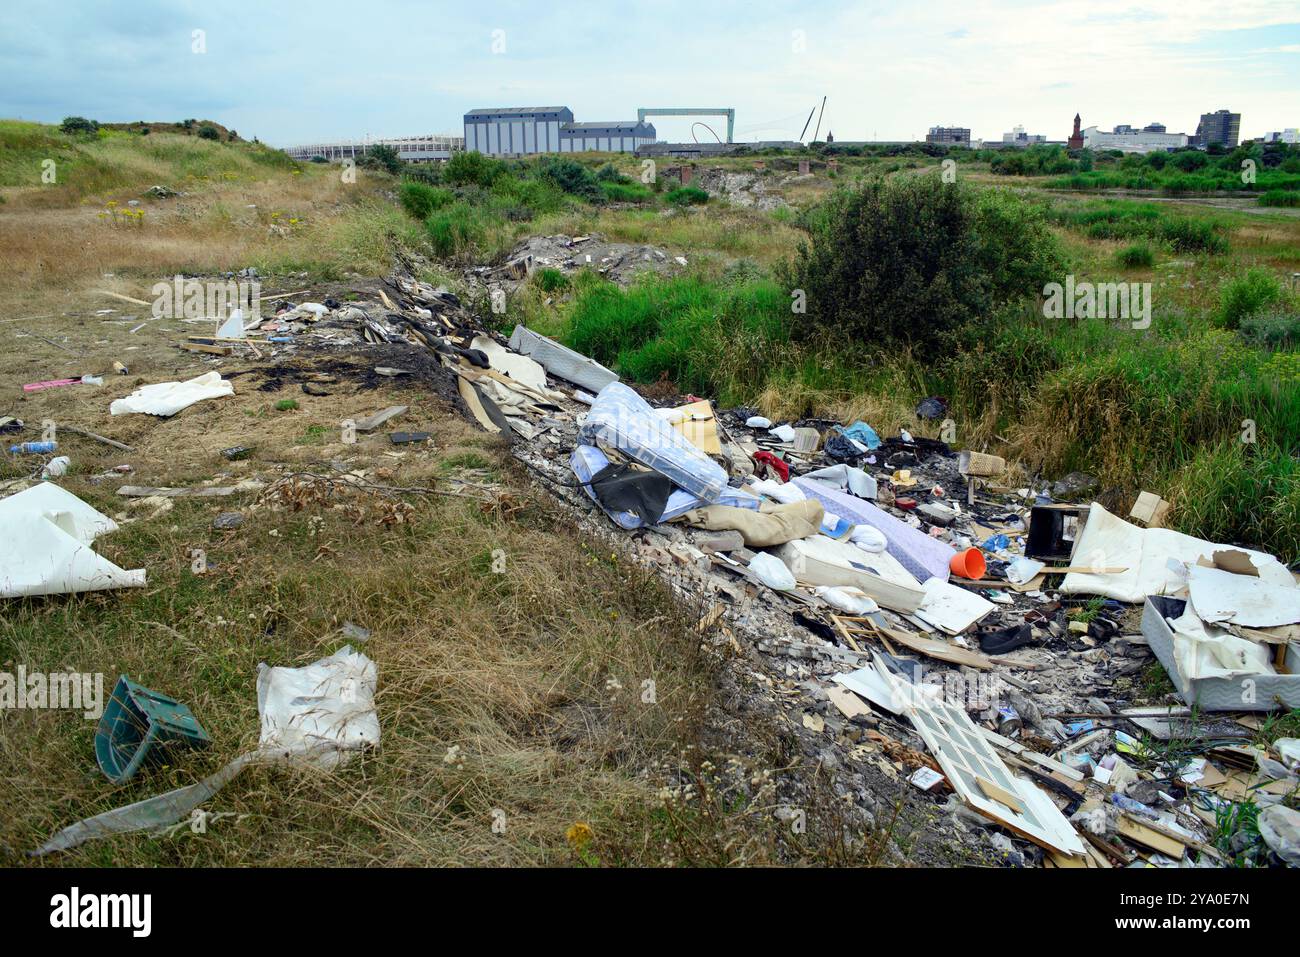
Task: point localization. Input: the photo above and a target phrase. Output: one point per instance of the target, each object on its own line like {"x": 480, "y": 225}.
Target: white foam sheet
{"x": 520, "y": 368}
{"x": 1221, "y": 596}
{"x": 45, "y": 538}
{"x": 1110, "y": 542}
{"x": 168, "y": 398}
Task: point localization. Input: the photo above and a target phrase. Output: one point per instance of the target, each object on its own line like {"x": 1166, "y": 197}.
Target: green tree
{"x": 903, "y": 262}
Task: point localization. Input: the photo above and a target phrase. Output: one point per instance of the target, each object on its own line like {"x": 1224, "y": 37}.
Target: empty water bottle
{"x": 33, "y": 448}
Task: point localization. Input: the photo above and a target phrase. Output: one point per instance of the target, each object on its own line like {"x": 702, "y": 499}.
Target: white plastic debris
{"x": 1021, "y": 570}
{"x": 319, "y": 715}
{"x": 168, "y": 398}
{"x": 771, "y": 571}
{"x": 783, "y": 432}
{"x": 868, "y": 538}
{"x": 45, "y": 538}
{"x": 758, "y": 422}
{"x": 232, "y": 328}
{"x": 56, "y": 467}
{"x": 847, "y": 598}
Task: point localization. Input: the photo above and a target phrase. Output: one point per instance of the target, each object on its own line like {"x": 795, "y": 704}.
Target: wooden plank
{"x": 1150, "y": 837}
{"x": 200, "y": 347}
{"x": 931, "y": 648}
{"x": 1001, "y": 795}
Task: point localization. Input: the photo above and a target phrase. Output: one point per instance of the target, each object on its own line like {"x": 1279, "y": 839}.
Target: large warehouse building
{"x": 623, "y": 137}
{"x": 526, "y": 130}
{"x": 517, "y": 130}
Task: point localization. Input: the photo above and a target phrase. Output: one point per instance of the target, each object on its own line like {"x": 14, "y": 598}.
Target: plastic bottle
{"x": 33, "y": 448}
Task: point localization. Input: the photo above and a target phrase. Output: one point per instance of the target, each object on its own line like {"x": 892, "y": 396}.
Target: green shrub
{"x": 704, "y": 337}
{"x": 1273, "y": 329}
{"x": 905, "y": 261}
{"x": 78, "y": 124}
{"x": 455, "y": 230}
{"x": 1246, "y": 295}
{"x": 382, "y": 156}
{"x": 1137, "y": 256}
{"x": 420, "y": 199}
{"x": 471, "y": 169}
{"x": 550, "y": 279}
{"x": 687, "y": 196}
{"x": 207, "y": 132}
{"x": 568, "y": 175}
{"x": 1194, "y": 235}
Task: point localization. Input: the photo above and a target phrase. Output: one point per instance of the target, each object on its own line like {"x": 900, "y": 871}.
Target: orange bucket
{"x": 968, "y": 564}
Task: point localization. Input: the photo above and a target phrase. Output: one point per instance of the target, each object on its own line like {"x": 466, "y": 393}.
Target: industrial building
{"x": 613, "y": 137}
{"x": 413, "y": 149}
{"x": 516, "y": 130}
{"x": 1128, "y": 140}
{"x": 1222, "y": 128}
{"x": 949, "y": 135}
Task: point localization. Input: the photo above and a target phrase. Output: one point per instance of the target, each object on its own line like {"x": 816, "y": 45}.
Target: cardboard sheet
{"x": 1108, "y": 541}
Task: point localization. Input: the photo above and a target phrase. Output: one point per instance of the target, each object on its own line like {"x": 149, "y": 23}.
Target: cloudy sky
{"x": 293, "y": 72}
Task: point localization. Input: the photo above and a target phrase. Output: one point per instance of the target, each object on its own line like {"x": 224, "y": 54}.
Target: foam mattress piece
{"x": 587, "y": 460}
{"x": 1108, "y": 541}
{"x": 45, "y": 538}
{"x": 924, "y": 557}
{"x": 621, "y": 419}
{"x": 819, "y": 560}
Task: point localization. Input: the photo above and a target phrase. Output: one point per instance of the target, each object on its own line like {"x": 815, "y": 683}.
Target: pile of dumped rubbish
{"x": 913, "y": 618}
{"x": 993, "y": 637}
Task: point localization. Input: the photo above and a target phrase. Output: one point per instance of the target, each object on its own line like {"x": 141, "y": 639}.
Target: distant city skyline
{"x": 398, "y": 67}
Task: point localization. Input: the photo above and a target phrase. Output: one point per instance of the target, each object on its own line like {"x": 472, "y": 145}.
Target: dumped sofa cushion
{"x": 770, "y": 525}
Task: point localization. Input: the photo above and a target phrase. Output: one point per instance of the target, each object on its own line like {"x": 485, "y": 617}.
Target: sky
{"x": 291, "y": 72}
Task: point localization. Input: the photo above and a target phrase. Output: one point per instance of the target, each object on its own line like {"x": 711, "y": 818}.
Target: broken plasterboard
{"x": 1146, "y": 554}
{"x": 520, "y": 368}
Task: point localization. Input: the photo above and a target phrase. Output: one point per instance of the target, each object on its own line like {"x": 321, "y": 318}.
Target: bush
{"x": 207, "y": 132}
{"x": 702, "y": 336}
{"x": 455, "y": 230}
{"x": 1247, "y": 295}
{"x": 906, "y": 261}
{"x": 382, "y": 156}
{"x": 1273, "y": 329}
{"x": 550, "y": 279}
{"x": 1137, "y": 256}
{"x": 79, "y": 124}
{"x": 471, "y": 169}
{"x": 568, "y": 175}
{"x": 420, "y": 199}
{"x": 687, "y": 196}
